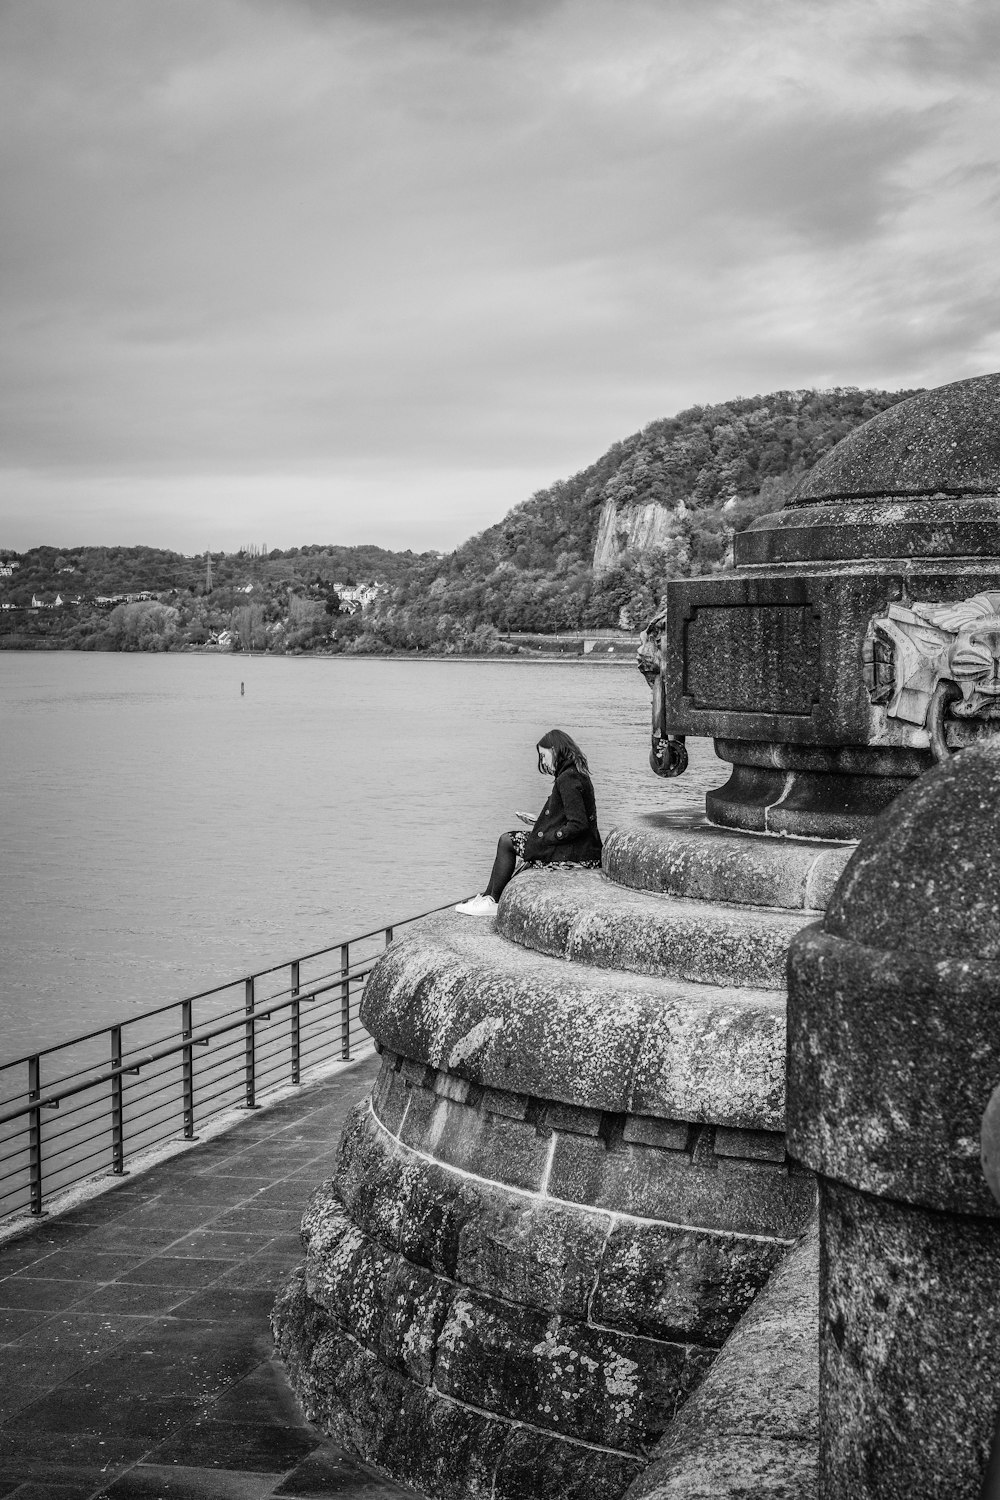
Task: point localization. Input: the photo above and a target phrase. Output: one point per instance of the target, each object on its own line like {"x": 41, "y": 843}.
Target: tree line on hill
{"x": 712, "y": 469}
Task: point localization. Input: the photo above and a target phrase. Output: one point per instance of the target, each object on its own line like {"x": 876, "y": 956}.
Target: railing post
{"x": 187, "y": 1068}
{"x": 117, "y": 1105}
{"x": 296, "y": 1019}
{"x": 345, "y": 1002}
{"x": 250, "y": 1062}
{"x": 388, "y": 936}
{"x": 35, "y": 1134}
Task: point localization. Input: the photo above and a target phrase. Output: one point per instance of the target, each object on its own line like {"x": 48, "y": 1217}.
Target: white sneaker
{"x": 479, "y": 906}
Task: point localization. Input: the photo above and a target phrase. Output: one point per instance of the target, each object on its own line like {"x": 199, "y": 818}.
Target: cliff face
{"x": 632, "y": 528}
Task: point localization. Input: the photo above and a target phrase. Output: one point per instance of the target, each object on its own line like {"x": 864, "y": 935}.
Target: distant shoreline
{"x": 605, "y": 659}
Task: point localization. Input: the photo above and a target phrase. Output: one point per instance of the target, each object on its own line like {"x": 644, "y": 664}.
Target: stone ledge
{"x": 674, "y": 855}
{"x": 458, "y": 997}
{"x": 592, "y": 921}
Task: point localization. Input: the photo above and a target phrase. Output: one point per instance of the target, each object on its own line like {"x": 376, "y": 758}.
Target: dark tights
{"x": 503, "y": 867}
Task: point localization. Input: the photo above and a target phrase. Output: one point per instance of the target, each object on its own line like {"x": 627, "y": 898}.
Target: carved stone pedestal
{"x": 570, "y": 1181}
{"x": 858, "y": 640}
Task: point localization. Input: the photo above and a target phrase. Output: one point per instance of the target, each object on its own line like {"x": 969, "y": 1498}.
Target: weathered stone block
{"x": 481, "y": 1233}
{"x": 393, "y": 1308}
{"x": 749, "y": 1430}
{"x": 572, "y": 1118}
{"x": 354, "y": 1126}
{"x": 448, "y": 1086}
{"x": 532, "y": 1252}
{"x": 348, "y": 1393}
{"x": 728, "y": 1466}
{"x": 649, "y": 1184}
{"x": 436, "y": 1207}
{"x": 416, "y": 1072}
{"x": 890, "y": 1092}
{"x": 669, "y": 1282}
{"x": 703, "y": 1148}
{"x": 295, "y": 1326}
{"x": 909, "y": 1348}
{"x": 499, "y": 1102}
{"x": 598, "y": 1386}
{"x": 390, "y": 1098}
{"x": 750, "y": 1145}
{"x": 416, "y": 1304}
{"x": 445, "y": 1449}
{"x": 425, "y": 1115}
{"x": 347, "y": 1280}
{"x": 488, "y": 1145}
{"x": 665, "y": 1135}
{"x": 439, "y": 1446}
{"x": 538, "y": 1466}
{"x": 380, "y": 1085}
{"x": 368, "y": 1179}
{"x": 322, "y": 1210}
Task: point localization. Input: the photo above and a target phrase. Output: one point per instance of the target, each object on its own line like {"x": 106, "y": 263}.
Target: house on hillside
{"x": 354, "y": 596}
{"x": 108, "y": 601}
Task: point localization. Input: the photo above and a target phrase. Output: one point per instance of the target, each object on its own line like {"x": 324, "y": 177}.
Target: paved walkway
{"x": 136, "y": 1361}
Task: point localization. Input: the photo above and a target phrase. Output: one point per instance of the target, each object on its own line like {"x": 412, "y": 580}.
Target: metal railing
{"x": 84, "y": 1106}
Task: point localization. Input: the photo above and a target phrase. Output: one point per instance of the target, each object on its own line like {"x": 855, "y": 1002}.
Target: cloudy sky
{"x": 312, "y": 270}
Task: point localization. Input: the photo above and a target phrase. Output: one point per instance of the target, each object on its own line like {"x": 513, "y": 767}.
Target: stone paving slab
{"x": 135, "y": 1350}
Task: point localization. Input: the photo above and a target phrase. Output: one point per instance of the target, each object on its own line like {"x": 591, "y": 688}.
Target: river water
{"x": 163, "y": 830}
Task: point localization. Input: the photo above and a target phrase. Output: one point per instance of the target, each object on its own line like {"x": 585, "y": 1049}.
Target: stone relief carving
{"x": 925, "y": 662}
{"x": 668, "y": 755}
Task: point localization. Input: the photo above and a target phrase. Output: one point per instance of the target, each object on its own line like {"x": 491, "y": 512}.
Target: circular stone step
{"x": 581, "y": 916}
{"x": 456, "y": 995}
{"x": 680, "y": 854}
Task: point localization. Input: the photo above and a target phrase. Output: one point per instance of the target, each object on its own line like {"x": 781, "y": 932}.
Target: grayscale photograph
{"x": 499, "y": 750}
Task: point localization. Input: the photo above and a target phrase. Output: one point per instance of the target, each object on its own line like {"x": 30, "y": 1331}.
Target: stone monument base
{"x": 570, "y": 1182}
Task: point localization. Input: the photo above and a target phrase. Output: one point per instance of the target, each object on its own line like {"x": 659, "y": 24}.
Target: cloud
{"x": 437, "y": 254}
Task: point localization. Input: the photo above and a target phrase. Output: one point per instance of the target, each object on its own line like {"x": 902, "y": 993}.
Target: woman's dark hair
{"x": 567, "y": 751}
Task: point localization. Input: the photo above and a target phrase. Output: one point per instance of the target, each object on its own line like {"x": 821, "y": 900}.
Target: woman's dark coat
{"x": 566, "y": 827}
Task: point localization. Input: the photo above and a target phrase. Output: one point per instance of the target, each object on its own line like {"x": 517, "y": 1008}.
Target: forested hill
{"x": 679, "y": 488}
{"x": 712, "y": 467}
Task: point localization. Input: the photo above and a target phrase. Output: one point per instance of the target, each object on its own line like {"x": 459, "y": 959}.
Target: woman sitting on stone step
{"x": 565, "y": 831}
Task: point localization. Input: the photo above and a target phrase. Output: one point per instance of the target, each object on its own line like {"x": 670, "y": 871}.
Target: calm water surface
{"x": 162, "y": 832}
